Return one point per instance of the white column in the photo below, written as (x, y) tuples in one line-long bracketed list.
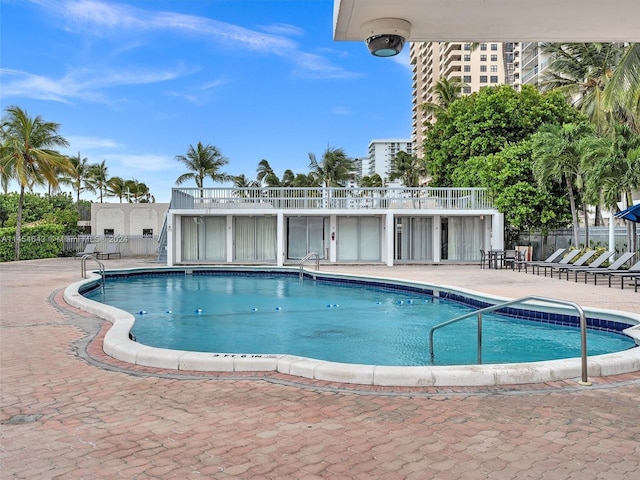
[(497, 231), (389, 226), (229, 224), (333, 251), (170, 236), (612, 233), (437, 239), (280, 233)]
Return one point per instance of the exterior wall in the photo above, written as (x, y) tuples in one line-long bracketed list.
[(344, 233), (127, 218)]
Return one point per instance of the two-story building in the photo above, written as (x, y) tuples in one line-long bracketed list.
[(280, 226)]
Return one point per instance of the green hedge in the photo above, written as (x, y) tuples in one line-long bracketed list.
[(41, 241)]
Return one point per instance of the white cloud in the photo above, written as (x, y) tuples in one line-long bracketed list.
[(341, 111), (80, 143), (84, 84), (144, 162), (102, 18), (283, 29)]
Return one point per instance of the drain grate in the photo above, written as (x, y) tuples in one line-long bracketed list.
[(22, 419)]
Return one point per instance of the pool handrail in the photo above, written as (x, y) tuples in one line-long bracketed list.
[(583, 328), (83, 267), (307, 257)]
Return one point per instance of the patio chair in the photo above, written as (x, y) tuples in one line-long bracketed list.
[(617, 265), (483, 258), (550, 259), (113, 248), (632, 273), (510, 258), (582, 260), (595, 264), (565, 260), (89, 249)]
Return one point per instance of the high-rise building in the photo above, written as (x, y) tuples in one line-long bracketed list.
[(475, 65), (382, 153), (529, 62)]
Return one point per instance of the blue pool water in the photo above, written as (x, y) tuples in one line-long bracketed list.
[(278, 314)]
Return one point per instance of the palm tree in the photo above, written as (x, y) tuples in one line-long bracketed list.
[(138, 192), (117, 187), (248, 187), (616, 175), (409, 169), (98, 173), (333, 169), (446, 91), (80, 178), (558, 153), (264, 170), (203, 161), (623, 91), (582, 72), (27, 155)]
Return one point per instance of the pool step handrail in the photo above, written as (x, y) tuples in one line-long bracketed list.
[(83, 267), (583, 327), (307, 257)]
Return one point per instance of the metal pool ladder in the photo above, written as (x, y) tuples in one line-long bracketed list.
[(307, 257), (583, 328), (83, 267)]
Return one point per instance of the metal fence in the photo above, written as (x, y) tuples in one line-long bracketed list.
[(543, 246), (130, 245)]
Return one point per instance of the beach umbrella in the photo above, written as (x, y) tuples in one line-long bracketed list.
[(632, 213)]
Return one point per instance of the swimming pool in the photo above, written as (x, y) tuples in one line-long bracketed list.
[(118, 345), (357, 323)]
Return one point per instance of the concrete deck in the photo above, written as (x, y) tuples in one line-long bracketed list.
[(69, 411)]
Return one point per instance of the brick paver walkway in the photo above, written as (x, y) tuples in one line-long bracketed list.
[(65, 414)]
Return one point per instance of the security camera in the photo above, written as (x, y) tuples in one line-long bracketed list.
[(385, 36)]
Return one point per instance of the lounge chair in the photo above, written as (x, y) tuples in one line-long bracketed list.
[(565, 261), (632, 273), (595, 264), (113, 248), (582, 260), (550, 259), (617, 265), (89, 249)]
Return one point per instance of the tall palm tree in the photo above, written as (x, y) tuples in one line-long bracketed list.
[(616, 175), (264, 171), (204, 161), (333, 169), (582, 72), (558, 153), (80, 177), (27, 155), (623, 91), (99, 175), (116, 187), (446, 92)]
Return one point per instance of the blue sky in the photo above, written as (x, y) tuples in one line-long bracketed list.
[(136, 82)]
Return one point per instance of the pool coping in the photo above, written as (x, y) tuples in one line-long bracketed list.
[(118, 345)]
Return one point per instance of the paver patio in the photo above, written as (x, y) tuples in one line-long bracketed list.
[(70, 412)]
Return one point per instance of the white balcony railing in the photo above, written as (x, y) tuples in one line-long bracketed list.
[(356, 198)]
